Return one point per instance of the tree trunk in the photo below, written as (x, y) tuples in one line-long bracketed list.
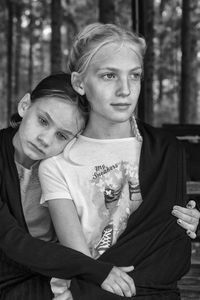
[(17, 52), (188, 99), (143, 19), (161, 57), (9, 58), (30, 68), (106, 11), (56, 22)]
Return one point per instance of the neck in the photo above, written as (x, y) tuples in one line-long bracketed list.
[(113, 131)]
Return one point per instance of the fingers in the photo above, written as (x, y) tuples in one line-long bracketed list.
[(190, 232), (129, 281), (117, 289), (188, 218), (186, 211), (119, 282), (107, 288), (188, 215), (64, 296), (127, 269)]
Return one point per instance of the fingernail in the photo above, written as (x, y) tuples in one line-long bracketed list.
[(179, 221), (188, 232), (189, 206)]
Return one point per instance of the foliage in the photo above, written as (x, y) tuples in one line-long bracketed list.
[(35, 28), (167, 78)]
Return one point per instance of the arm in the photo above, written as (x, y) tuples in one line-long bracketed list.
[(46, 258), (70, 234), (67, 226)]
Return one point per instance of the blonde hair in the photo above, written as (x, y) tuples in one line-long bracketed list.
[(96, 35)]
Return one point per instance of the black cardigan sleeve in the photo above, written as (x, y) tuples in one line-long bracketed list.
[(46, 258)]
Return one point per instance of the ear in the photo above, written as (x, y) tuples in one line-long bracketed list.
[(24, 104), (77, 83)]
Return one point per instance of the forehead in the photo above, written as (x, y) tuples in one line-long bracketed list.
[(64, 114), (117, 53)]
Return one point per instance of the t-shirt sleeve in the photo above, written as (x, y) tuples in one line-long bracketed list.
[(53, 180)]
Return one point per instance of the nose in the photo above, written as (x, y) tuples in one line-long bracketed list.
[(45, 139), (123, 88)]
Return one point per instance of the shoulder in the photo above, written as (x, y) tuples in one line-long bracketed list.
[(52, 166), (50, 162), (158, 136)]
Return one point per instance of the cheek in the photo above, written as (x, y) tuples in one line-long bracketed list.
[(135, 91), (93, 91), (28, 127)]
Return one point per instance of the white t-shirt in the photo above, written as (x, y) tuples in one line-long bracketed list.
[(101, 177)]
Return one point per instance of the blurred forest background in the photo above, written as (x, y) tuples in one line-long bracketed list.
[(36, 35)]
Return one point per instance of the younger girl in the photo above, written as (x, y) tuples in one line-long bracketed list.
[(48, 119), (116, 183)]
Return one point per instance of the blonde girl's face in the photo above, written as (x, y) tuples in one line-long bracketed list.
[(47, 126), (112, 83)]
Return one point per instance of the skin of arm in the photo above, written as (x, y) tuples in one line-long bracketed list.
[(67, 226), (69, 232)]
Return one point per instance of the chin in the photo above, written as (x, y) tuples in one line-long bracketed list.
[(35, 157), (121, 119)]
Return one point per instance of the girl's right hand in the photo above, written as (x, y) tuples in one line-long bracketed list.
[(67, 295), (119, 282)]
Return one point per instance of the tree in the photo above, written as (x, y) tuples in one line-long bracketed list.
[(56, 21), (9, 57), (18, 13), (106, 11), (31, 43), (143, 20), (188, 99)]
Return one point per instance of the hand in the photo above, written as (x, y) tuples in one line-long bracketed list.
[(67, 295), (119, 282), (188, 217)]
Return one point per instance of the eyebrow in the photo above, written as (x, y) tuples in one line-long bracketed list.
[(52, 121), (115, 69)]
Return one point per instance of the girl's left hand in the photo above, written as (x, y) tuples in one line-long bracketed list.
[(188, 217)]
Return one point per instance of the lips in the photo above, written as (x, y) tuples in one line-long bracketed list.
[(121, 104), (36, 148)]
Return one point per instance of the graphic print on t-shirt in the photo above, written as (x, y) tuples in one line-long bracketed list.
[(118, 184)]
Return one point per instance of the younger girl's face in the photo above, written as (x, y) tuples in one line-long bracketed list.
[(47, 126), (112, 82)]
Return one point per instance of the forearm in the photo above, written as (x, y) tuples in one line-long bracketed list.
[(46, 258)]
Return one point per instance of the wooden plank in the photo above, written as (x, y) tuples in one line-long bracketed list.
[(193, 187)]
